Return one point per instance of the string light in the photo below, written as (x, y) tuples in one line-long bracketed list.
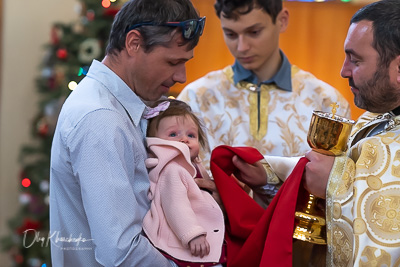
[(106, 3), (72, 85)]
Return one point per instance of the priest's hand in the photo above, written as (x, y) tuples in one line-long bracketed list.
[(316, 173), (253, 175)]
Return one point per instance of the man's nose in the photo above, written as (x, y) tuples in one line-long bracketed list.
[(180, 75), (242, 44)]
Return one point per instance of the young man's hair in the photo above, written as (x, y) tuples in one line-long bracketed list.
[(385, 18), (177, 108), (156, 11), (232, 9)]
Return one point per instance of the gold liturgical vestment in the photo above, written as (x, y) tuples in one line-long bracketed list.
[(363, 196)]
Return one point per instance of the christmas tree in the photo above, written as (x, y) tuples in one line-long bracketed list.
[(71, 49)]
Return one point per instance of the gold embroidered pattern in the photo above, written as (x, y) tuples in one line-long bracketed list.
[(383, 211), (374, 182), (396, 164), (347, 181), (258, 99), (384, 258), (372, 157), (341, 247)]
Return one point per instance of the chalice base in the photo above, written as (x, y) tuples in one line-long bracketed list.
[(310, 228)]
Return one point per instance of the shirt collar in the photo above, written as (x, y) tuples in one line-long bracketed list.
[(283, 78), (119, 89)]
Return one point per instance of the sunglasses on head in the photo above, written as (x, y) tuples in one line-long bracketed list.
[(190, 28)]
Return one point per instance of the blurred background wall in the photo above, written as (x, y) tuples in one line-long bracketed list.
[(313, 41), (25, 29)]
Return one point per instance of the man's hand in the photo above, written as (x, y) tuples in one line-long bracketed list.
[(210, 186), (199, 246), (316, 173), (253, 175)]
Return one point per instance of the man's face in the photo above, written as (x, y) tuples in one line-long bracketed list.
[(253, 39), (160, 69), (374, 86)]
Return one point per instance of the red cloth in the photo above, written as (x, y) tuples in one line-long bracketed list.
[(256, 237)]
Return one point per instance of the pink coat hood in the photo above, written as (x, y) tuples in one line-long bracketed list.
[(179, 210)]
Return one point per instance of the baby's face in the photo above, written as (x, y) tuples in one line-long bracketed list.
[(181, 129)]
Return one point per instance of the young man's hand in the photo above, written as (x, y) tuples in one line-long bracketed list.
[(199, 246), (253, 175)]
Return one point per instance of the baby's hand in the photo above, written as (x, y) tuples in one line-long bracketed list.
[(199, 246)]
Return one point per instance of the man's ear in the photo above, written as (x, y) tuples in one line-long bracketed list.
[(283, 19), (132, 42)]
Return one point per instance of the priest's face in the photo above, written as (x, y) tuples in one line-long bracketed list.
[(374, 86)]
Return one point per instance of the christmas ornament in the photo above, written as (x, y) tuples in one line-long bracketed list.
[(34, 262), (47, 72), (29, 224), (110, 12), (90, 15), (89, 50), (62, 53), (25, 198), (42, 127), (44, 186), (26, 182), (55, 35)]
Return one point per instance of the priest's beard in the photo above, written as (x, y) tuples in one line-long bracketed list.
[(377, 94)]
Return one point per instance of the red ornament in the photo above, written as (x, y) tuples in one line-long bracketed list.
[(51, 83), (54, 35), (18, 259), (28, 224), (110, 12), (62, 53), (26, 182), (43, 127), (90, 15)]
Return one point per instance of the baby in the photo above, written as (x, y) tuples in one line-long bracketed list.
[(184, 222)]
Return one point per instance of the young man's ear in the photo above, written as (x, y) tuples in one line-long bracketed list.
[(283, 19), (132, 42)]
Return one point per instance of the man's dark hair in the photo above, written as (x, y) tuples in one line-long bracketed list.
[(385, 17), (177, 108), (156, 11), (232, 9)]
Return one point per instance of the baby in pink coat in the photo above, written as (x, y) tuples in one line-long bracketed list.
[(184, 222)]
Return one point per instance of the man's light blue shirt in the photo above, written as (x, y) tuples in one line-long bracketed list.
[(99, 181)]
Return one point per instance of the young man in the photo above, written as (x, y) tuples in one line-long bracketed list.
[(363, 188), (99, 181), (261, 100)]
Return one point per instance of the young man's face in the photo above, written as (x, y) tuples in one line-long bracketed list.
[(375, 87), (253, 39), (160, 69)]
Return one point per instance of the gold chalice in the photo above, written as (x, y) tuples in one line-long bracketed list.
[(328, 135)]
